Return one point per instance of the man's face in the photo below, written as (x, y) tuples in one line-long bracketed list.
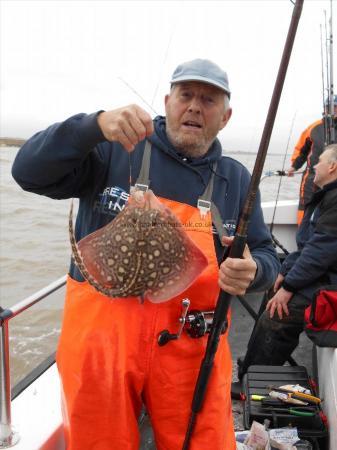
[(323, 169), (195, 113)]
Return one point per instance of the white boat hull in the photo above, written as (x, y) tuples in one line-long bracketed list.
[(284, 220), (36, 414), (327, 379)]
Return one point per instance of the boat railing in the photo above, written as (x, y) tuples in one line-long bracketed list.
[(8, 437)]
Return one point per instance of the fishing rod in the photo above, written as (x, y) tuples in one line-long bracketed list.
[(279, 173), (276, 242), (163, 64), (280, 181), (150, 105), (236, 250), (326, 55), (328, 111), (138, 94), (323, 87), (331, 86)]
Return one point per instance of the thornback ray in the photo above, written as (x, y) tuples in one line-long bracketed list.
[(144, 252)]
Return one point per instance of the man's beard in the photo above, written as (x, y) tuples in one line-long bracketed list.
[(188, 147)]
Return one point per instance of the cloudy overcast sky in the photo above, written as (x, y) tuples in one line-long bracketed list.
[(61, 57)]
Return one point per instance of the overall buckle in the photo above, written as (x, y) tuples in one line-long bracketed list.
[(139, 187), (204, 207)]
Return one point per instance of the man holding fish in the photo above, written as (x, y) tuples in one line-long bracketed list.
[(136, 270)]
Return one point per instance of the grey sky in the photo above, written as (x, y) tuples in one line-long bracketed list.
[(59, 58)]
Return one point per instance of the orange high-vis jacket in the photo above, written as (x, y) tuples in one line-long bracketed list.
[(307, 150), (309, 146)]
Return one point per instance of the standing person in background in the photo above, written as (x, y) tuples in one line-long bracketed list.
[(108, 357), (307, 150)]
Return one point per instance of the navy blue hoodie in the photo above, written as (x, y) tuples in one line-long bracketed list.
[(315, 263), (73, 159)]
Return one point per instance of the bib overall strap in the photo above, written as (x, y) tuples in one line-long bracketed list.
[(143, 180), (205, 205), (216, 219)]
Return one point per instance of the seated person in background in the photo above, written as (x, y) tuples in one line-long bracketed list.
[(314, 264)]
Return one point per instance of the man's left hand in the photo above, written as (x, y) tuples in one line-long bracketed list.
[(235, 274)]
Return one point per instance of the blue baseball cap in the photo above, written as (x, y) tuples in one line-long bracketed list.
[(202, 70)]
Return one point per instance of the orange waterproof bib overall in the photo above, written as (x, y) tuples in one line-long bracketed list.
[(110, 363)]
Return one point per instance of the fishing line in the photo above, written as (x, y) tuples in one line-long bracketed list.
[(279, 184), (130, 171), (146, 103), (150, 106)]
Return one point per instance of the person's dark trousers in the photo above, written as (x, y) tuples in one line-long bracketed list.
[(274, 340)]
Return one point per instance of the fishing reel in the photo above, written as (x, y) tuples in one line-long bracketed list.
[(196, 323)]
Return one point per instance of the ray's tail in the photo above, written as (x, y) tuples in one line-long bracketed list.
[(80, 263)]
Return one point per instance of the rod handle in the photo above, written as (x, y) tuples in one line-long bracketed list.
[(238, 246)]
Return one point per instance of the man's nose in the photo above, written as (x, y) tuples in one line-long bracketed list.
[(194, 105)]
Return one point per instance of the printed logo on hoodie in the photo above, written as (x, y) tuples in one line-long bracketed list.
[(111, 201), (229, 226)]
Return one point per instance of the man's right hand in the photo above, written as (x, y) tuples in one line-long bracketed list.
[(128, 125)]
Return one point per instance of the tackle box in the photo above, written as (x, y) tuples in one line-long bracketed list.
[(256, 382)]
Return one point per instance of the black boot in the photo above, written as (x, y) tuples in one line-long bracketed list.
[(241, 368), (236, 391), (236, 388)]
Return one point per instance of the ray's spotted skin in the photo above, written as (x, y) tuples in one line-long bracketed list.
[(144, 252)]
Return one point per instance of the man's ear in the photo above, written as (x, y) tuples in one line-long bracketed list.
[(167, 96), (227, 115), (333, 167)]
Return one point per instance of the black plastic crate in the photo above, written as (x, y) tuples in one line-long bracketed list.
[(257, 380)]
